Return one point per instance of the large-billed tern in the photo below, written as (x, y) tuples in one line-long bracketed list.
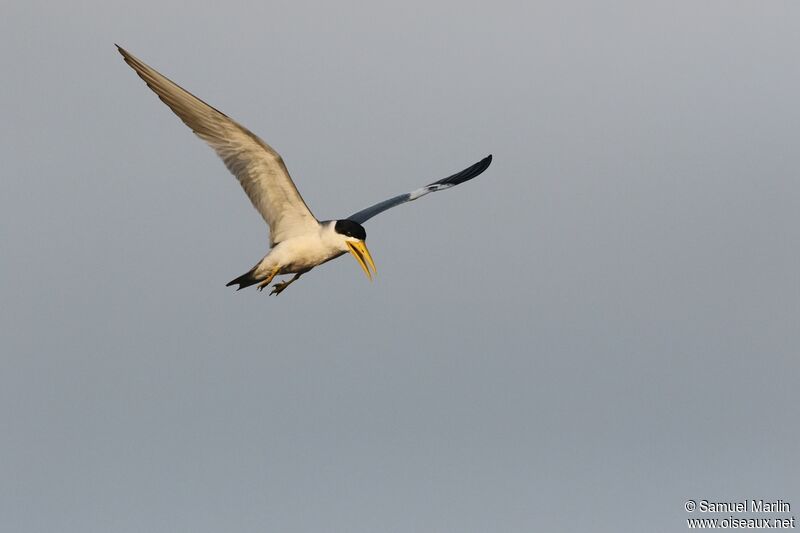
[(298, 241)]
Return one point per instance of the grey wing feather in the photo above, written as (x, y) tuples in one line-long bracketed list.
[(258, 167), (450, 181)]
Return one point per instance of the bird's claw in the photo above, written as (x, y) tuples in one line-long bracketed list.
[(278, 288)]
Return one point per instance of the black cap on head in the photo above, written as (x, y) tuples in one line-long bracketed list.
[(351, 229)]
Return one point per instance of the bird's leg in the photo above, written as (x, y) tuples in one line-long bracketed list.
[(268, 279), (279, 287)]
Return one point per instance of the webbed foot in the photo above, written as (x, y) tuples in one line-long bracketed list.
[(268, 279), (278, 287)]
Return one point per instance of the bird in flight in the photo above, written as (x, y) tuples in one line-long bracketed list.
[(298, 241)]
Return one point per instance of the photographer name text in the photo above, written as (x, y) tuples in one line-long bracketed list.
[(744, 506)]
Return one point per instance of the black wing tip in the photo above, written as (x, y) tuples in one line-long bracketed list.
[(484, 163), (468, 173)]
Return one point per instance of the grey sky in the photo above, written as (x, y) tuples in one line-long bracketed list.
[(601, 326)]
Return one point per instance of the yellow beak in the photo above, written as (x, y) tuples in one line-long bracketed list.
[(360, 252)]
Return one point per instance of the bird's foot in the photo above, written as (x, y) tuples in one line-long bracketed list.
[(267, 281), (278, 287)]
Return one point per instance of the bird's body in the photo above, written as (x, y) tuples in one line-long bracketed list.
[(299, 242), (304, 252), (296, 255), (300, 254)]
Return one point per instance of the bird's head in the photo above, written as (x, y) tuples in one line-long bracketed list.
[(354, 236)]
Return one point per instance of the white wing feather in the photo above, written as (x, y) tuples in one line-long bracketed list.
[(258, 167)]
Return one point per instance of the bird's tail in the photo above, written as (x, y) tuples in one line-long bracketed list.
[(246, 279)]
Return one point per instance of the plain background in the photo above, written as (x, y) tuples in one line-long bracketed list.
[(600, 327)]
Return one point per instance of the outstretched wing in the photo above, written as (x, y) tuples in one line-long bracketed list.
[(258, 167), (450, 181)]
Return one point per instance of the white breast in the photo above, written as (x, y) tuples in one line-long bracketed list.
[(307, 251)]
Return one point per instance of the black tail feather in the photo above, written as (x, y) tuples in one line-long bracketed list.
[(245, 280)]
